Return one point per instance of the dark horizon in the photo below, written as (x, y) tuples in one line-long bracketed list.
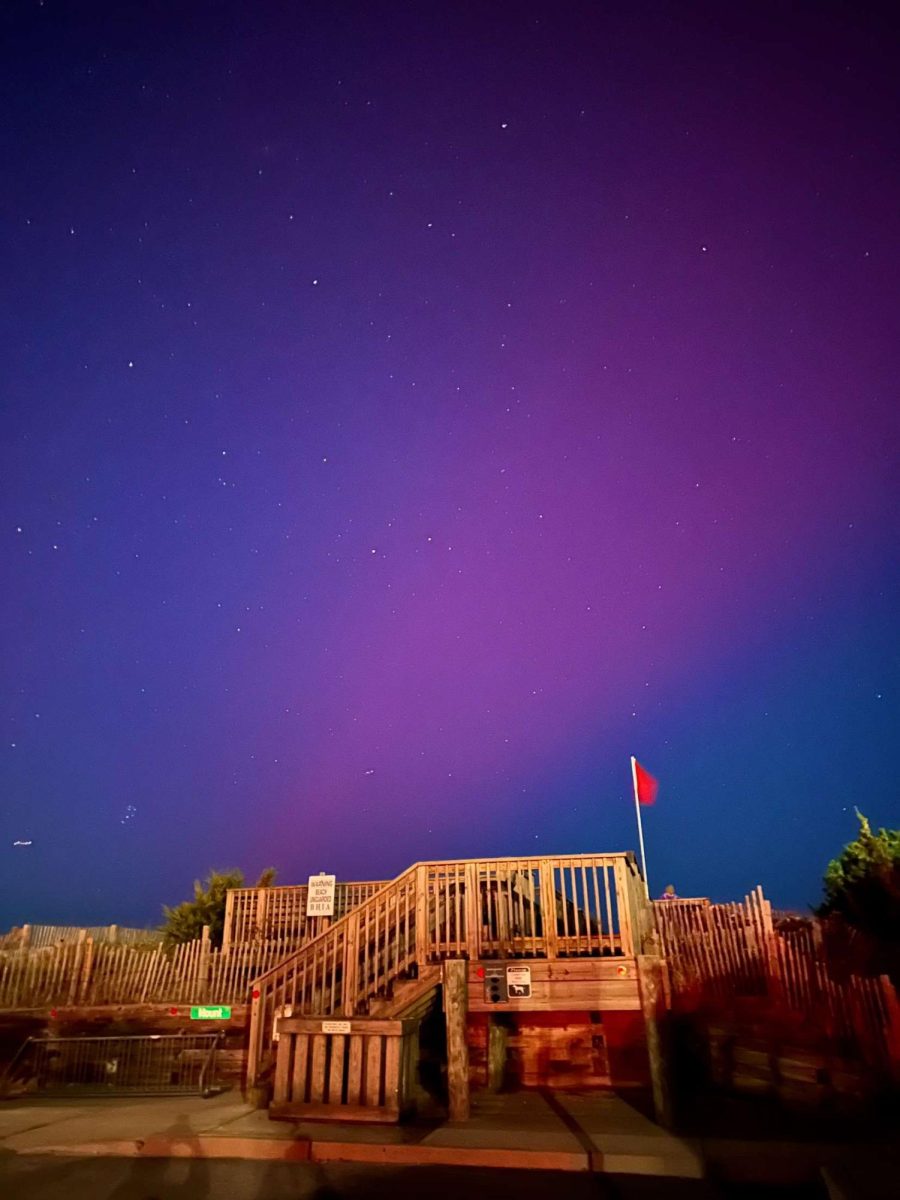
[(409, 415)]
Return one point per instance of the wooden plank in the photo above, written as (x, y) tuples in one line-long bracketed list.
[(355, 1070), (300, 1070), (317, 1068), (350, 981), (282, 1087), (392, 1077), (374, 1071), (336, 1069), (361, 1113), (390, 1026), (548, 908)]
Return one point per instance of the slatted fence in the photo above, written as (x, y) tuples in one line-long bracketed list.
[(361, 1070), (275, 917), (718, 954), (35, 937)]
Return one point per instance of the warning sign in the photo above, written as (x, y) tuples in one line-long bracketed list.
[(320, 896), (518, 981)]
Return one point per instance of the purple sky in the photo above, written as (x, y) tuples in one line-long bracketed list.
[(410, 413)]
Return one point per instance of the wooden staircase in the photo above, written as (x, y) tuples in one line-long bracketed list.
[(333, 1024)]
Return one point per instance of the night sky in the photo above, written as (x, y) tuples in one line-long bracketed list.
[(411, 411)]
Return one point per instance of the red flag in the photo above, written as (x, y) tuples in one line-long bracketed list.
[(645, 786)]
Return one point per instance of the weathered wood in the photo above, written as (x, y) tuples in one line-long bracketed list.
[(473, 911), (336, 1070), (455, 1012), (326, 1112), (585, 985), (299, 1085), (317, 1080), (548, 908), (651, 988), (283, 1064), (355, 1071), (496, 1055), (374, 1077)]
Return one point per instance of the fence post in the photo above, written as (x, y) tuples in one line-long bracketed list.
[(24, 936), (112, 934), (86, 968), (75, 980), (201, 983)]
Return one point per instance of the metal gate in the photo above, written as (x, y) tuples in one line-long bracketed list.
[(136, 1065)]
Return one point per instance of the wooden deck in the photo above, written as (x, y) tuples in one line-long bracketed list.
[(590, 907)]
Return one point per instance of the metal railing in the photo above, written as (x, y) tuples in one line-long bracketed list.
[(136, 1065)]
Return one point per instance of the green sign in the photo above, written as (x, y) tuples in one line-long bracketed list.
[(210, 1012)]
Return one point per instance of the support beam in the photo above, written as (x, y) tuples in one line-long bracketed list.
[(496, 1054), (650, 978), (456, 1003)]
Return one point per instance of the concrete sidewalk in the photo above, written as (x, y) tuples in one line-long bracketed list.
[(568, 1131)]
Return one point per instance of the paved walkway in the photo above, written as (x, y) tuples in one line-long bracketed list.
[(567, 1131)]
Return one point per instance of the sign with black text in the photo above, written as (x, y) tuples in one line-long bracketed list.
[(320, 896)]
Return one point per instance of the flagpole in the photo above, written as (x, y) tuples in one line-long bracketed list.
[(637, 811)]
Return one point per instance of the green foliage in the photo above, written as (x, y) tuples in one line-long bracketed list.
[(185, 921), (862, 885)]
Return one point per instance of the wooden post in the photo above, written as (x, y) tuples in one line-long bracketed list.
[(650, 981), (456, 1003), (262, 912), (201, 983), (75, 980), (86, 966), (112, 934), (473, 911), (421, 930), (496, 1054), (548, 909), (24, 936), (350, 976)]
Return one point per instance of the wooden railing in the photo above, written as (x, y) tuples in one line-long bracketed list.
[(362, 1070), (577, 906), (277, 915)]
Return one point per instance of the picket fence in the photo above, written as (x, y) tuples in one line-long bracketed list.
[(35, 937), (88, 973), (719, 954)]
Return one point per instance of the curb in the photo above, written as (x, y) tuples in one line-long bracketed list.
[(782, 1164), (380, 1154)]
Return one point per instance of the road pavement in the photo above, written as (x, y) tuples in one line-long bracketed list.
[(54, 1177)]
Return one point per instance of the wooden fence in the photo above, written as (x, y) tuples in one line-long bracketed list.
[(349, 1071), (56, 965), (719, 954), (86, 972), (277, 915), (35, 937)]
